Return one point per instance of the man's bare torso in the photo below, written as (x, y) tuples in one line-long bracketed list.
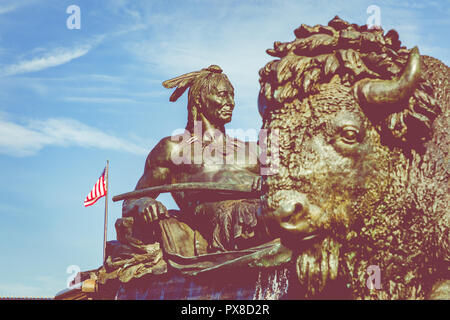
[(189, 160)]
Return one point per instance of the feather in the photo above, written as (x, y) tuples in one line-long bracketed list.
[(180, 80), (186, 80), (177, 93)]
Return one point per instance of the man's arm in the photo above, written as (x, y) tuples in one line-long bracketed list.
[(156, 172)]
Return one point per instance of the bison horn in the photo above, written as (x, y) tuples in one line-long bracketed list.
[(377, 91)]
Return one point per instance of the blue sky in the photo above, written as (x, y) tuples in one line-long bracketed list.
[(71, 99)]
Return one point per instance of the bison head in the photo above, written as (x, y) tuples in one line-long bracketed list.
[(352, 111)]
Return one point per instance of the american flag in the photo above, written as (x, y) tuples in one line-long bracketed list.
[(98, 191)]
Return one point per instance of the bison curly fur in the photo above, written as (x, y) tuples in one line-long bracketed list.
[(405, 231)]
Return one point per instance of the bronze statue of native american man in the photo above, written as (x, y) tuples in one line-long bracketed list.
[(360, 193), (216, 229), (207, 222)]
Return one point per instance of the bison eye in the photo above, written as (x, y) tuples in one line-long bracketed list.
[(349, 135)]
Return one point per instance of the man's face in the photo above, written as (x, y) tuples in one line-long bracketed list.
[(219, 103)]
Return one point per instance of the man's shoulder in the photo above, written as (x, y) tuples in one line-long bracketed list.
[(164, 148), (166, 141), (161, 147), (174, 140)]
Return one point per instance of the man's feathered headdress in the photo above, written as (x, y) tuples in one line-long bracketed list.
[(186, 80)]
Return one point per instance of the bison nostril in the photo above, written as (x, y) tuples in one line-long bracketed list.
[(293, 211), (298, 207)]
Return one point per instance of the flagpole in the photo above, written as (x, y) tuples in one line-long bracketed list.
[(106, 212)]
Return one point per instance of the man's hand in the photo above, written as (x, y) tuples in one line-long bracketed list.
[(257, 183), (145, 209)]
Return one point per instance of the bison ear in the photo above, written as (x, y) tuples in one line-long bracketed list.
[(390, 92)]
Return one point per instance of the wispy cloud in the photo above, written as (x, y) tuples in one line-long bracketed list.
[(54, 58), (7, 8), (183, 40), (100, 100), (26, 140)]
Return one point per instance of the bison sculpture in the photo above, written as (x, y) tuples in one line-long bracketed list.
[(361, 193)]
